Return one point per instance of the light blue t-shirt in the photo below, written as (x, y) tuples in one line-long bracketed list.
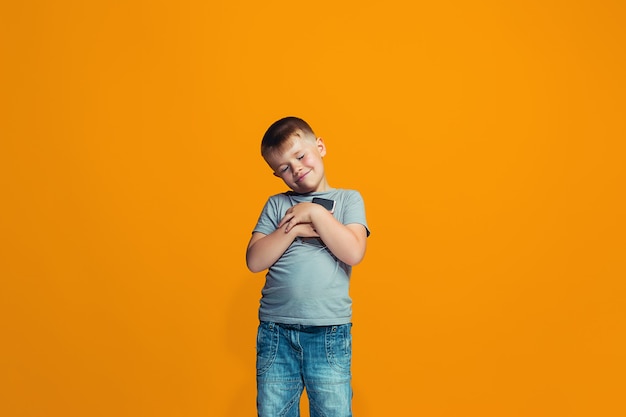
[(308, 285)]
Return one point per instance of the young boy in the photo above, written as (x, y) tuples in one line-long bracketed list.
[(308, 239)]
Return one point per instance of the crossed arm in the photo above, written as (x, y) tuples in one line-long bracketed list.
[(346, 242)]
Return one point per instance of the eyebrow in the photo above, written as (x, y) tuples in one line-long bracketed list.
[(298, 149)]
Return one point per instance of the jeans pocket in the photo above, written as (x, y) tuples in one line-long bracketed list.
[(339, 347), (266, 346)]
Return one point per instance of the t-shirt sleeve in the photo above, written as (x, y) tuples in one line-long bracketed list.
[(355, 210), (268, 219)]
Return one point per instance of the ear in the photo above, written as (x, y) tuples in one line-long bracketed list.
[(321, 146)]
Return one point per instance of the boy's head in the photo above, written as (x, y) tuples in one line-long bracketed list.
[(291, 149)]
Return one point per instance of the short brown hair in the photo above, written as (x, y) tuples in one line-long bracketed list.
[(281, 130)]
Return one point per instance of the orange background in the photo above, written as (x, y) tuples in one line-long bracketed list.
[(487, 139)]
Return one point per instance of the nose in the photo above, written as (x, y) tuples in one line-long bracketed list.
[(296, 168)]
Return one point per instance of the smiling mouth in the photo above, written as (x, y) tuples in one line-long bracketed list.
[(300, 178)]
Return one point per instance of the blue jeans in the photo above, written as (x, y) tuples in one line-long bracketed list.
[(291, 357)]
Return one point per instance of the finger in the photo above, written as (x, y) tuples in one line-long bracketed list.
[(285, 219)]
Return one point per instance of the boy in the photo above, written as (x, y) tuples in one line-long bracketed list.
[(304, 338)]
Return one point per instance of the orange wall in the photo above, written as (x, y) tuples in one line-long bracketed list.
[(487, 139)]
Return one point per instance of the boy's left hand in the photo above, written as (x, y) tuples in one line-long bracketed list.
[(300, 213)]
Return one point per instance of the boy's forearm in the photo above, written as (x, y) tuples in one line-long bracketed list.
[(345, 242), (265, 251)]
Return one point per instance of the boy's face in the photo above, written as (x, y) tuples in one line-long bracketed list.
[(299, 164)]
